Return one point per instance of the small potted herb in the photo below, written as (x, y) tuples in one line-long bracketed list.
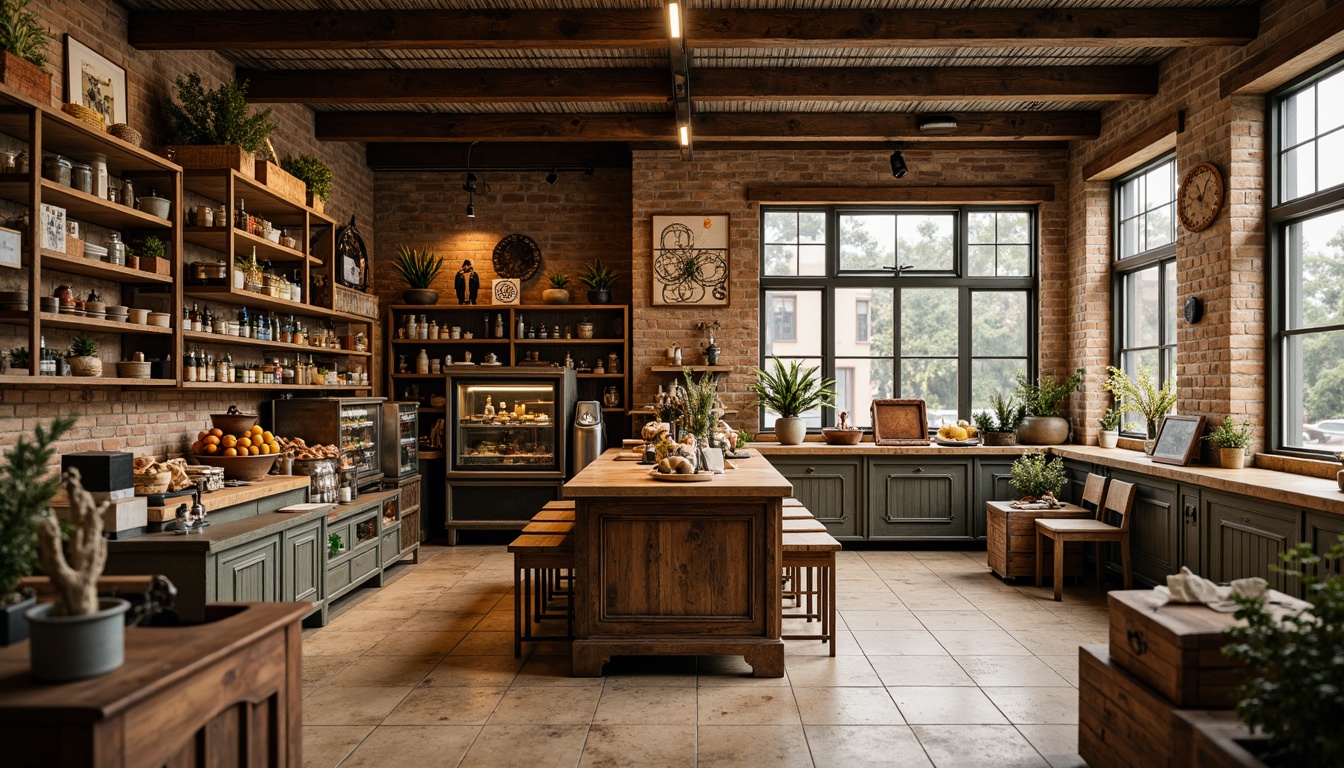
[(598, 278), (998, 425), (215, 128), (788, 392), (1231, 439), (83, 358), (23, 43), (1110, 429), (1038, 477), (556, 294), (18, 362), (153, 253), (418, 269), (315, 175)]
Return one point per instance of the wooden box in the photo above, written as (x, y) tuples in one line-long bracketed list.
[(25, 77), (1177, 649), (354, 302), (281, 182), (1012, 540), (213, 157), (900, 422), (1123, 723)]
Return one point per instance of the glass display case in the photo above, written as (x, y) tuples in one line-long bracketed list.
[(401, 440), (512, 420), (351, 424)]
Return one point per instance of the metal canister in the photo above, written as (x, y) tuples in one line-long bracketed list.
[(127, 193), (81, 177), (56, 168)]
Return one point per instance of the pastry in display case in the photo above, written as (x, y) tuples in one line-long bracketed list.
[(514, 421), (353, 424)]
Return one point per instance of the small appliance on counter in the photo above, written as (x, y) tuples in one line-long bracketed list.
[(588, 442), (107, 476)]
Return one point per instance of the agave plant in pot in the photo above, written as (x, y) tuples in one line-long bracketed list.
[(1144, 397), (418, 269), (556, 294), (26, 490), (998, 425), (1231, 439), (83, 358), (1109, 423), (788, 391), (1044, 399), (598, 278)]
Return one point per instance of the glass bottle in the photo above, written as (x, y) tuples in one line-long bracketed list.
[(422, 362), (210, 373), (244, 324), (191, 365), (241, 222), (522, 329), (499, 326)]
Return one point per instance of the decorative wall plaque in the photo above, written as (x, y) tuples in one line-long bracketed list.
[(690, 261)]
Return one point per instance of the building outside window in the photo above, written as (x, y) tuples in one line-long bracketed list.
[(938, 304), (1307, 294), (783, 313)]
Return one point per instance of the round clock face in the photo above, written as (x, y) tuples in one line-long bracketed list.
[(1200, 197)]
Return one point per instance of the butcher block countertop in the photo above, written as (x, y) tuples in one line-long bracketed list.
[(608, 478)]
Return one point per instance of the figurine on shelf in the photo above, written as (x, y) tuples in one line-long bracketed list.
[(489, 407), (712, 350), (467, 283)]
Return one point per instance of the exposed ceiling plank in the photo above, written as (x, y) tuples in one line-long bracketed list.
[(723, 126), (406, 156), (1301, 50), (1025, 195), (707, 28), (648, 85), (1147, 144), (884, 145)]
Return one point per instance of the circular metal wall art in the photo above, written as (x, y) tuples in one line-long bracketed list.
[(516, 256)]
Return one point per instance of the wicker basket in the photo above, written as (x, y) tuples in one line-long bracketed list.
[(25, 77), (133, 370), (126, 133), (281, 182), (84, 114), (213, 157), (355, 303)]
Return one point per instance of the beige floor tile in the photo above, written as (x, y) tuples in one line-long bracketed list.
[(747, 705), (958, 620), (417, 644), (845, 645), (899, 643), (527, 746), (824, 670), (736, 746), (872, 601), (920, 671), (952, 746), (987, 642), (443, 621), (413, 746), (325, 746), (351, 706), (847, 706), (1009, 671), (1057, 743), (935, 600), (946, 706), (734, 670), (463, 600), (552, 672), (888, 620), (1031, 618), (496, 621), (478, 643), (651, 705), (1036, 706), (318, 670), (385, 671), (474, 672), (639, 746), (446, 706), (848, 746), (546, 706), (1066, 666), (351, 643), (1055, 642), (369, 620)]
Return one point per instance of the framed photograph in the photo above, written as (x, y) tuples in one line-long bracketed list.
[(95, 82), (53, 228), (1178, 440), (11, 248), (690, 261)]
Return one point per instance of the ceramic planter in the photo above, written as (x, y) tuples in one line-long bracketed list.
[(423, 296), (555, 296), (85, 365), (75, 647), (790, 431), (1043, 430), (999, 438), (599, 297), (1109, 438), (13, 625), (1231, 458)]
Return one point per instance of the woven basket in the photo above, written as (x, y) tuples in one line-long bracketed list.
[(281, 182), (126, 133), (213, 157), (85, 366), (25, 77), (133, 370), (355, 303), (85, 115)]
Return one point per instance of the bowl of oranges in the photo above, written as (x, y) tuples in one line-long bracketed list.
[(247, 455)]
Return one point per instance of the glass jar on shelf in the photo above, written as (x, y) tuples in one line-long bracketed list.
[(611, 398)]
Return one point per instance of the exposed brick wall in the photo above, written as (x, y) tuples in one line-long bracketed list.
[(154, 421)]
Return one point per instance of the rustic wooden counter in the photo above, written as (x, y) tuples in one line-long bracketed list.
[(667, 568)]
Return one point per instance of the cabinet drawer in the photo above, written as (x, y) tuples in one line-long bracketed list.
[(364, 564), (918, 499), (338, 577), (830, 491), (391, 546)]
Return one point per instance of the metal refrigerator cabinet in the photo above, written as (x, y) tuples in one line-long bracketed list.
[(353, 424), (507, 444)]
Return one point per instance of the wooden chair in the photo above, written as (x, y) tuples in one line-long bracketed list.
[(1094, 490), (810, 557), (1120, 500)]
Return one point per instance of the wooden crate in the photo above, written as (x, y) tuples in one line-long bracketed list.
[(1012, 540), (1219, 740), (899, 421), (25, 77), (354, 302), (281, 182), (1123, 723), (1177, 649), (213, 157)]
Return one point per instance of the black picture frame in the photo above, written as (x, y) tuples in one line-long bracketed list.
[(1178, 440)]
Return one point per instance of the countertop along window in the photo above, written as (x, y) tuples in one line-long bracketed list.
[(935, 303)]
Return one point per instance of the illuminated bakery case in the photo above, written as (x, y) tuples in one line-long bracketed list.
[(507, 443)]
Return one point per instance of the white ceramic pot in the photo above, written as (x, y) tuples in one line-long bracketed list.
[(1109, 438), (74, 647), (1231, 458), (790, 431)]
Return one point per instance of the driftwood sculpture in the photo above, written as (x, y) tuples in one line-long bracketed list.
[(74, 566)]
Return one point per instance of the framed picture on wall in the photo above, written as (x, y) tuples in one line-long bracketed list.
[(94, 82), (690, 261)]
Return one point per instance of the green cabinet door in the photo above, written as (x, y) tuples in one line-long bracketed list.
[(1191, 542), (917, 499), (1245, 536), (829, 488), (305, 561), (249, 573), (993, 482), (1154, 530), (1323, 532)]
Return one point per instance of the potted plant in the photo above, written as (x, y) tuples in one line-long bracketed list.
[(1110, 429), (26, 490), (598, 278), (77, 635), (23, 51), (1231, 439), (1044, 403), (556, 294), (789, 391), (315, 175), (418, 269), (1144, 397), (153, 253), (1291, 694), (998, 425), (18, 362), (1037, 476), (213, 128), (83, 358)]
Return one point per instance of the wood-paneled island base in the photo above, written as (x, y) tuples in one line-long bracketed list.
[(677, 568)]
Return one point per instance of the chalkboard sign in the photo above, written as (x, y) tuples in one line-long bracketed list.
[(1178, 440)]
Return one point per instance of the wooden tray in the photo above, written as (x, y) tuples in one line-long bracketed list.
[(698, 477), (901, 421)]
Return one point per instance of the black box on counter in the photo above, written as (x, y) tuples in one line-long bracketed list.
[(102, 472)]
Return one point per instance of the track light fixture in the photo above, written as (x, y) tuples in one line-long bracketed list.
[(469, 186), (898, 166), (471, 209), (552, 177)]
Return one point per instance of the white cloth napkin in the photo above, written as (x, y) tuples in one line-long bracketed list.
[(1189, 587)]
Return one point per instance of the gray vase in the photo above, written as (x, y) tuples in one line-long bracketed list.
[(1043, 430), (74, 647)]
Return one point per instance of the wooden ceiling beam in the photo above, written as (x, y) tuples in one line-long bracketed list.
[(406, 156), (712, 126), (705, 28), (1301, 50), (926, 195), (632, 85)]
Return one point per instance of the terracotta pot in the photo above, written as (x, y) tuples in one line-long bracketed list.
[(420, 296), (790, 431), (1232, 458), (999, 438), (1043, 430), (555, 296), (85, 365), (1108, 438)]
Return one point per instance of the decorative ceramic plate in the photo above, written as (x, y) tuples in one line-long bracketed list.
[(516, 256), (698, 477), (955, 443)]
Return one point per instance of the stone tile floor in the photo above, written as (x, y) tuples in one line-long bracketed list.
[(939, 663)]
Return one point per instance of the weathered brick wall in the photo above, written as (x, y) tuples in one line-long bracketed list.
[(153, 421)]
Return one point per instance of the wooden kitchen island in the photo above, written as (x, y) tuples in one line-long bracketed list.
[(679, 569)]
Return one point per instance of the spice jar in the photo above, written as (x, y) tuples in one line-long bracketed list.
[(81, 177), (56, 168)]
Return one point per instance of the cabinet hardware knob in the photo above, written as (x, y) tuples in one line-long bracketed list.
[(810, 470), (918, 470), (1137, 643)]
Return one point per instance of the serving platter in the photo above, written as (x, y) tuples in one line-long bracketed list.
[(955, 443), (698, 477)]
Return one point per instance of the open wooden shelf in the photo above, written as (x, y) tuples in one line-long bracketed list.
[(217, 239), (78, 265), (78, 205), (202, 337), (76, 323), (85, 381), (306, 387)]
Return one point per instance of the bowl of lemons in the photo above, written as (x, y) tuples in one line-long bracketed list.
[(961, 433)]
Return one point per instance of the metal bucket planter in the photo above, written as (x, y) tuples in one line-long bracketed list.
[(75, 647)]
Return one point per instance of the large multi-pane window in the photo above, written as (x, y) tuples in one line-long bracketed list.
[(1145, 271), (902, 302), (1307, 213)]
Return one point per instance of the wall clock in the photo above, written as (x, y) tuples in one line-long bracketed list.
[(516, 256), (1200, 197)]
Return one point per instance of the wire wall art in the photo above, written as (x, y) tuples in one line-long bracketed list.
[(690, 261)]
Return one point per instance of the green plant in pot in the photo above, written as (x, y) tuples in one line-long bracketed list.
[(1044, 401), (598, 278), (24, 41), (788, 391), (1143, 397), (150, 251), (18, 361), (315, 175), (1231, 439), (83, 358), (418, 269), (217, 117), (998, 425), (1292, 693), (1036, 476), (556, 294), (26, 490), (1109, 423)]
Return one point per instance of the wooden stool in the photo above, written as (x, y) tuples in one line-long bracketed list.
[(540, 563), (813, 555), (555, 512)]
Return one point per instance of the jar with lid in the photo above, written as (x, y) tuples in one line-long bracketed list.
[(585, 329), (116, 250), (56, 168), (81, 177), (21, 162), (611, 398)]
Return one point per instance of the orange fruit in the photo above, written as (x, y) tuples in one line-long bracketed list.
[(254, 450), (211, 440), (244, 442), (268, 437), (217, 432), (228, 441), (197, 446), (257, 430), (201, 436), (230, 451), (211, 449)]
